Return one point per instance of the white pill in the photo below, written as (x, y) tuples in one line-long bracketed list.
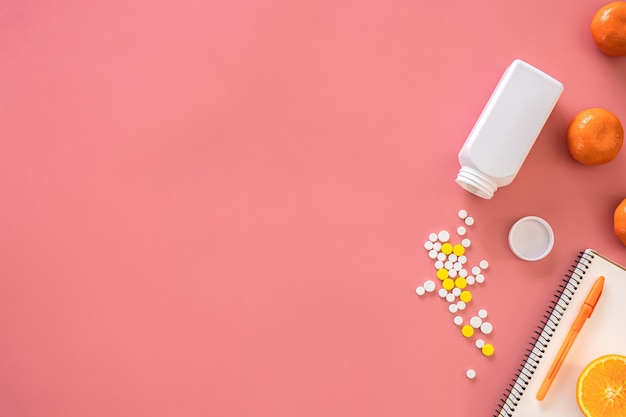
[(476, 270), (444, 236), (448, 265), (463, 273), (441, 256), (429, 286), (480, 278), (450, 298), (461, 231), (428, 245), (486, 328), (462, 214), (432, 254), (479, 343), (452, 273), (452, 308), (458, 320), (483, 264), (458, 266), (470, 374), (438, 265), (469, 220), (443, 292), (470, 280), (461, 305), (456, 291), (466, 243), (432, 237), (452, 257), (420, 291), (475, 322), (462, 259), (437, 246), (482, 313)]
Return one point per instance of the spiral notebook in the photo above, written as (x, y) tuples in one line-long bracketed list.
[(604, 333)]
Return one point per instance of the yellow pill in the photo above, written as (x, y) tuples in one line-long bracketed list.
[(458, 250), (460, 282), (487, 349), (465, 296), (442, 274), (468, 331), (448, 284), (447, 248)]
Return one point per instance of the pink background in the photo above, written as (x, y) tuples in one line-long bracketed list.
[(217, 208)]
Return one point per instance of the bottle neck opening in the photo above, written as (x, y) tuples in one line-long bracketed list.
[(476, 182)]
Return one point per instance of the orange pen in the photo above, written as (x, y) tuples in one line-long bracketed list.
[(585, 312)]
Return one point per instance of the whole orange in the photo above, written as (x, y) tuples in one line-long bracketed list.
[(608, 28), (595, 136), (619, 222)]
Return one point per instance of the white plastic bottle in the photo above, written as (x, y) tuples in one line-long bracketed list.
[(507, 129)]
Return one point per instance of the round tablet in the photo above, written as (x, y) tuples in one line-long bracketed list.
[(469, 220), (443, 236), (429, 286), (428, 245), (486, 328), (467, 331), (420, 291), (463, 273), (462, 214), (479, 343), (475, 322), (470, 280), (466, 243), (458, 266), (461, 231), (462, 259), (447, 248), (452, 257), (488, 349), (442, 274), (482, 313), (456, 292), (470, 374), (483, 264), (458, 320), (448, 265), (438, 264), (448, 283), (453, 308), (432, 237), (450, 297), (432, 254), (442, 293), (465, 296), (480, 278), (461, 305), (460, 282), (441, 256), (458, 249), (437, 246), (452, 273), (476, 270)]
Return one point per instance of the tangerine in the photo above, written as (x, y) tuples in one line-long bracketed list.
[(619, 222), (595, 136), (608, 28), (601, 387)]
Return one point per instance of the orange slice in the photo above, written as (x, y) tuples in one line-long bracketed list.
[(601, 387)]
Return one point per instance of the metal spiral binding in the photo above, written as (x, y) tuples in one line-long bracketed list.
[(543, 334)]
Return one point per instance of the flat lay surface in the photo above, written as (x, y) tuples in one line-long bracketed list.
[(221, 208)]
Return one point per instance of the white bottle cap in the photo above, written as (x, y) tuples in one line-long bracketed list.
[(531, 238), (476, 182)]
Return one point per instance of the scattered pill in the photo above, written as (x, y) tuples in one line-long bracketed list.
[(488, 349), (448, 284), (469, 220), (480, 278), (461, 305), (443, 236), (463, 273), (452, 257), (479, 343), (465, 296), (462, 259), (428, 245), (458, 320), (482, 313), (458, 266), (442, 292), (456, 292), (476, 270), (453, 308), (461, 231), (432, 254), (437, 246), (452, 273), (441, 256), (462, 214), (442, 274), (486, 328), (460, 282), (448, 265), (466, 243), (470, 374), (470, 280), (420, 290), (483, 264), (475, 322), (429, 286), (450, 297), (467, 331), (432, 237), (438, 264), (458, 249), (447, 248)]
